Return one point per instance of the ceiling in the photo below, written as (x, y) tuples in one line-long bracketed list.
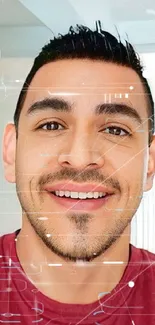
[(15, 13), (25, 25)]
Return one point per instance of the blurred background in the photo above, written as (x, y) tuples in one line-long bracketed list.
[(25, 26)]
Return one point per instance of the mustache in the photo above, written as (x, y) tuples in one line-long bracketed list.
[(79, 177)]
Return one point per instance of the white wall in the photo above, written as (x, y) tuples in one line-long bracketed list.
[(143, 224), (12, 75), (11, 69)]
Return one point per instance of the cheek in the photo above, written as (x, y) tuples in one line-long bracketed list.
[(32, 157), (128, 167), (128, 164)]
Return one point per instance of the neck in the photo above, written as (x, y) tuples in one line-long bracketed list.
[(69, 282)]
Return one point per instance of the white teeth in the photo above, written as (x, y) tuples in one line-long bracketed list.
[(61, 193), (90, 195), (67, 193), (96, 195), (80, 195), (74, 195)]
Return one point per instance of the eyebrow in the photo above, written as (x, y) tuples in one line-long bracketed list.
[(61, 105)]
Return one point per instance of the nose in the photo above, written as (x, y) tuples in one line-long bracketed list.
[(81, 152)]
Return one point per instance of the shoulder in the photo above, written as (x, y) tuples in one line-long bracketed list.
[(6, 242), (143, 262), (141, 254)]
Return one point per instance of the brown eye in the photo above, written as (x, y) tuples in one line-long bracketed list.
[(115, 130), (51, 126)]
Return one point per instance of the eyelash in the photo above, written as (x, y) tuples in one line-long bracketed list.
[(119, 128), (109, 127), (49, 123)]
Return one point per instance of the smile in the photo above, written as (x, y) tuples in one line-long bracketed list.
[(82, 201), (80, 195)]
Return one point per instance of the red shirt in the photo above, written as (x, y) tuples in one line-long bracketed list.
[(21, 302)]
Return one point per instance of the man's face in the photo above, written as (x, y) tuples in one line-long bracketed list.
[(78, 151)]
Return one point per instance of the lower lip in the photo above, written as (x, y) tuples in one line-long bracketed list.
[(77, 204)]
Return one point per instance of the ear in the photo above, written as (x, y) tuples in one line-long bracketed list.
[(9, 152), (151, 167)]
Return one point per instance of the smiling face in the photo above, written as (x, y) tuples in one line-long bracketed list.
[(83, 128)]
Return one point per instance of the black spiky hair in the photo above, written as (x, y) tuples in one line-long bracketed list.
[(83, 43)]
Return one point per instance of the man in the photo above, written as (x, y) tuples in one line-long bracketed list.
[(81, 152)]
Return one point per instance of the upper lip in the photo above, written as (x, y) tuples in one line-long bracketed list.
[(78, 188)]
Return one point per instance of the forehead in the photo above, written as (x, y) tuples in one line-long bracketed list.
[(88, 79)]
